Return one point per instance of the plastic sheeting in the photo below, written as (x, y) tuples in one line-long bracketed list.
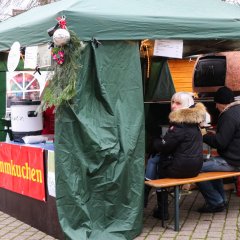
[(100, 145)]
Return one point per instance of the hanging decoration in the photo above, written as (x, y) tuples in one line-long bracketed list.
[(146, 51), (13, 56), (58, 55), (66, 49), (61, 37)]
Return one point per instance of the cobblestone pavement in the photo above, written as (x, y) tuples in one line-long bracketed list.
[(193, 225), (11, 228)]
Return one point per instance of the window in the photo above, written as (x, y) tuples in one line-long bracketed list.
[(25, 85)]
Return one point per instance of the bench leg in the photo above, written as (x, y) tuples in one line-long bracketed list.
[(176, 200), (162, 204), (162, 208)]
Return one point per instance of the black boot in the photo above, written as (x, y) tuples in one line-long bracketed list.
[(147, 190), (162, 201)]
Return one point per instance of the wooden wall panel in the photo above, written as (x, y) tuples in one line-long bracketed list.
[(182, 72)]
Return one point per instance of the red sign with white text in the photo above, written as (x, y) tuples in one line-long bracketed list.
[(22, 170)]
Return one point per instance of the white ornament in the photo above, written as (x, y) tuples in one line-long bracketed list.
[(13, 57), (61, 37)]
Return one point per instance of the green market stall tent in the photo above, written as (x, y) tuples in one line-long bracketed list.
[(99, 141)]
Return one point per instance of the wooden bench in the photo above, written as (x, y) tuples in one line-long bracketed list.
[(177, 182)]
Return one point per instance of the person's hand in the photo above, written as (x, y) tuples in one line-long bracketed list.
[(203, 131), (211, 131)]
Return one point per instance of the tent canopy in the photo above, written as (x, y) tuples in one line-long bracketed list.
[(132, 20)]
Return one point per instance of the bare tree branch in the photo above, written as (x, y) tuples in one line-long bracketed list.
[(6, 6)]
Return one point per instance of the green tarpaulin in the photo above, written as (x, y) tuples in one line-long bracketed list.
[(100, 147), (160, 85), (99, 142)]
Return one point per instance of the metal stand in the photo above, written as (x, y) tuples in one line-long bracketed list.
[(176, 200), (176, 207)]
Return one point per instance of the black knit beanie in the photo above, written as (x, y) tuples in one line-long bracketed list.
[(224, 95)]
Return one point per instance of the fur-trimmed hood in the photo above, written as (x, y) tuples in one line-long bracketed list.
[(192, 115)]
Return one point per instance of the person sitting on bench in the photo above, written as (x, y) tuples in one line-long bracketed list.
[(227, 142), (180, 151)]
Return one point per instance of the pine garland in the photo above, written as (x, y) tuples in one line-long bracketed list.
[(62, 86)]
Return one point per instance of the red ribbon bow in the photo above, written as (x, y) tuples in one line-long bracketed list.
[(62, 22)]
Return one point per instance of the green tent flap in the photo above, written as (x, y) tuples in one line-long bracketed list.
[(100, 145), (160, 85)]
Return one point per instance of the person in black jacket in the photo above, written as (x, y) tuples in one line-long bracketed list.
[(180, 151), (227, 142)]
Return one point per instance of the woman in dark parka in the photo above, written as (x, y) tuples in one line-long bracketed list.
[(180, 151)]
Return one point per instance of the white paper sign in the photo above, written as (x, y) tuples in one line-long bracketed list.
[(31, 56), (51, 174), (13, 57), (44, 56), (168, 48)]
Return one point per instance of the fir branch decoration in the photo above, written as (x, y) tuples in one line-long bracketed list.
[(62, 86)]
